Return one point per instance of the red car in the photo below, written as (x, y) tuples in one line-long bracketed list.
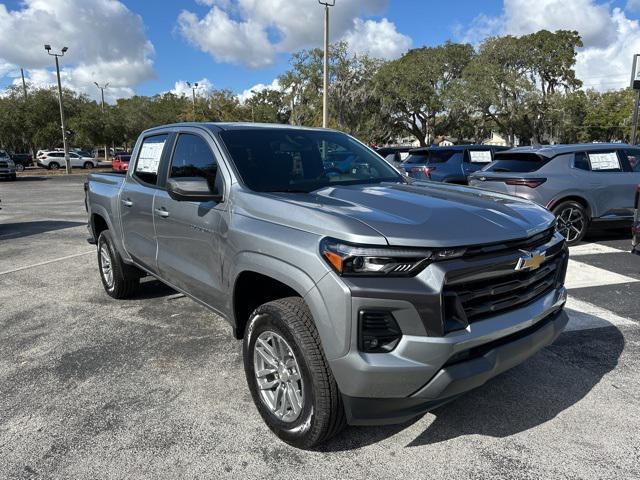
[(636, 226), (121, 162)]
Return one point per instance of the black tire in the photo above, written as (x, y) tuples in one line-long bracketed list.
[(53, 166), (19, 167), (88, 165), (573, 221), (125, 278), (322, 414)]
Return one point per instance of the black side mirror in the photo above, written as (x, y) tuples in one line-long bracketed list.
[(191, 189)]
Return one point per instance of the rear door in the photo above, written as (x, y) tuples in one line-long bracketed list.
[(190, 234), (136, 200), (611, 182)]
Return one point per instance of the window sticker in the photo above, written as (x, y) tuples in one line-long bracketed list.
[(604, 161), (149, 158), (480, 156)]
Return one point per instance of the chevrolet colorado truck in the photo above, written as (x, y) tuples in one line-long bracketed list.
[(362, 297)]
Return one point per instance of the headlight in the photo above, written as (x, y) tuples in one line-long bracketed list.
[(354, 260)]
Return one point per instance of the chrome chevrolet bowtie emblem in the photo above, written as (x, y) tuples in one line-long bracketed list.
[(531, 260)]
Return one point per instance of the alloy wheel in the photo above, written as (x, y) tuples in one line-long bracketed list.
[(105, 266), (571, 223), (278, 376)]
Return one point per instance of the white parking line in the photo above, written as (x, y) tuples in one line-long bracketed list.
[(581, 275), (47, 262), (592, 249), (584, 316)]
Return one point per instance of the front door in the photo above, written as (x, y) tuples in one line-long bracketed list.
[(189, 234), (136, 202)]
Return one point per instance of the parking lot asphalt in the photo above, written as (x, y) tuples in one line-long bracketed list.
[(153, 387)]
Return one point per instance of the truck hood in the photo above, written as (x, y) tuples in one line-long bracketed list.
[(427, 214)]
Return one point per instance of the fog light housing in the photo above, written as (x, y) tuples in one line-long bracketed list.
[(378, 331)]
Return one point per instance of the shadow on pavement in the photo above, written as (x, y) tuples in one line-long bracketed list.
[(598, 234), (518, 400), (152, 288), (25, 229)]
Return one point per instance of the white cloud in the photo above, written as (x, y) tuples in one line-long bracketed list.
[(182, 88), (253, 32), (106, 41), (378, 39), (610, 38), (259, 87)]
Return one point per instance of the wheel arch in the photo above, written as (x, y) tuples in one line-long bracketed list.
[(572, 198)]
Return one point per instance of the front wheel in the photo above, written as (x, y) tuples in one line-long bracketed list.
[(572, 221), (19, 167), (288, 376), (88, 165)]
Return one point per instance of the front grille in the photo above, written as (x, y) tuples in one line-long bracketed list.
[(466, 302), (523, 244), (4, 164)]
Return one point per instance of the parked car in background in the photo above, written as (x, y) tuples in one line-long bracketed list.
[(53, 160), (121, 162), (635, 229), (360, 298), (451, 164), (394, 155), (581, 184), (22, 160), (7, 167)]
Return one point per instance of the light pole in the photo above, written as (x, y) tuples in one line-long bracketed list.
[(635, 85), (325, 110), (64, 132), (194, 87), (106, 85)]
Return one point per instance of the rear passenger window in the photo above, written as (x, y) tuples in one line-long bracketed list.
[(604, 161), (149, 158), (580, 161), (192, 157)]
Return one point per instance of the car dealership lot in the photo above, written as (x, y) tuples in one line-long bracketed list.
[(92, 387)]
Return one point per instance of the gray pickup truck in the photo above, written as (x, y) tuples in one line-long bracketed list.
[(362, 297)]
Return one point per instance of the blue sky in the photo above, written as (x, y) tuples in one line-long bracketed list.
[(145, 47)]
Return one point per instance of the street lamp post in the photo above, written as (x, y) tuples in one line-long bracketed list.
[(325, 110), (194, 87), (635, 85), (64, 132), (106, 85)]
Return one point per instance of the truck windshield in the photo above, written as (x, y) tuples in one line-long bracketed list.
[(295, 160)]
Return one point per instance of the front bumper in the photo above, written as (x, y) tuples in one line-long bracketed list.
[(7, 173), (455, 378)]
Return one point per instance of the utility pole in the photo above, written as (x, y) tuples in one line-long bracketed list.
[(193, 86), (24, 84), (64, 132), (635, 84), (106, 85), (325, 101)]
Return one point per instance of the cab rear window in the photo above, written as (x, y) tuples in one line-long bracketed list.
[(517, 162)]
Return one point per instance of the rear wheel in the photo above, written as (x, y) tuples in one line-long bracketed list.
[(118, 279), (572, 221), (288, 376), (54, 166)]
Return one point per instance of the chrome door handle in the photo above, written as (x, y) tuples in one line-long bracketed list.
[(162, 212), (127, 203)]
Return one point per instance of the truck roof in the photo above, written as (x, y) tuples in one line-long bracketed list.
[(554, 150), (217, 126)]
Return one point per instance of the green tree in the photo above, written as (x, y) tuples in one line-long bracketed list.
[(414, 90)]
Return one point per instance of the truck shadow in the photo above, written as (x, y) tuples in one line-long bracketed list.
[(518, 400), (26, 229)]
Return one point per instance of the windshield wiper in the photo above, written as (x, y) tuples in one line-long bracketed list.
[(286, 190), (499, 169)]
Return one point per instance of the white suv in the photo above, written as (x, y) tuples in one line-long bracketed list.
[(53, 160)]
